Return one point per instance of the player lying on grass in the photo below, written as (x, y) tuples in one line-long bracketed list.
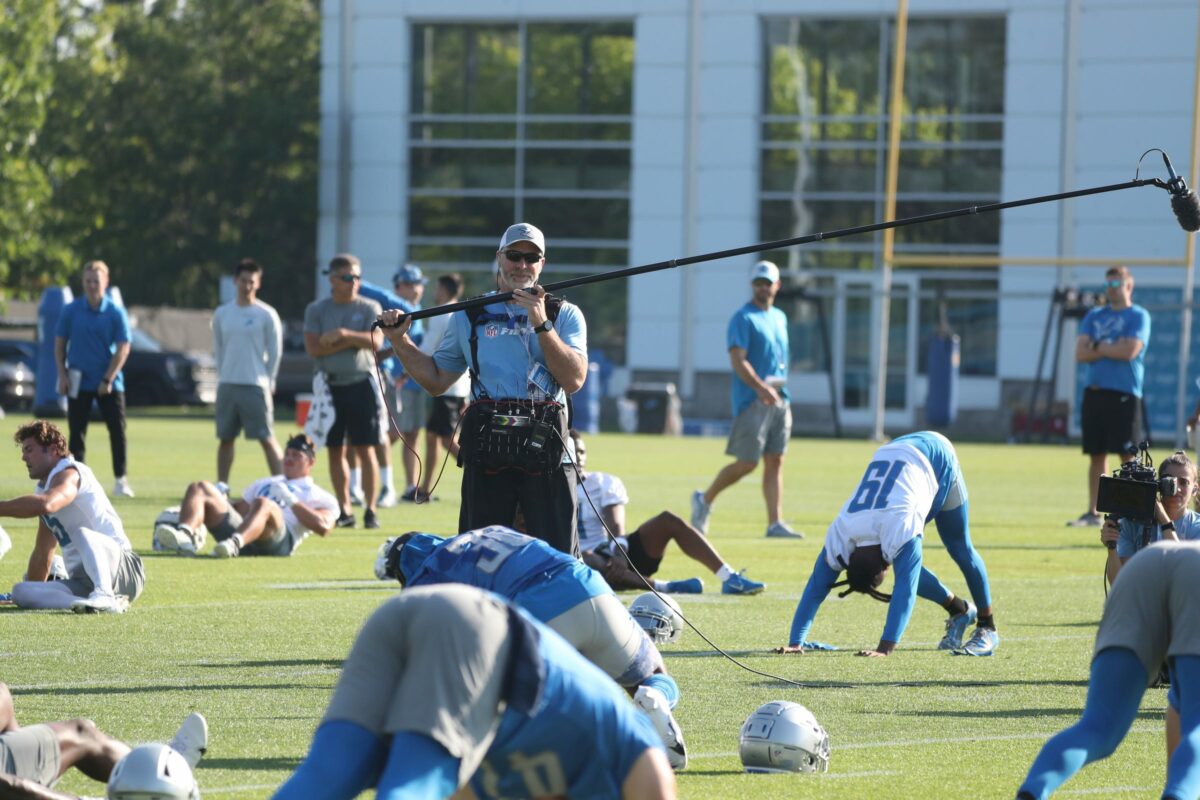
[(646, 545), (33, 758), (909, 481), (103, 572), (1151, 614), (272, 518), (555, 588), (448, 684)]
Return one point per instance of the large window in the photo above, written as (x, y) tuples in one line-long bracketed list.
[(824, 148), (526, 122)]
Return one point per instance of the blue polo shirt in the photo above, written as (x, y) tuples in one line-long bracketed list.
[(508, 347), (763, 334), (389, 300), (1106, 325), (92, 336)]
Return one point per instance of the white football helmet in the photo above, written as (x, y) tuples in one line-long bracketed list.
[(152, 772), (659, 616), (783, 737)]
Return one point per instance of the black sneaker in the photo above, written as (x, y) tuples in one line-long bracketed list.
[(370, 520), (410, 495), (345, 520)]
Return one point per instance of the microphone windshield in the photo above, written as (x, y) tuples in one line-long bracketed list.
[(1187, 210)]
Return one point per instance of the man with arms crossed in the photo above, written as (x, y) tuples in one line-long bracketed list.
[(103, 572), (247, 341), (758, 351)]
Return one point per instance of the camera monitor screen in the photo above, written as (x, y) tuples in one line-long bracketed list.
[(1127, 498)]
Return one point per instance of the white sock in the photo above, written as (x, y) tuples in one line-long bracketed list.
[(355, 481), (385, 478), (659, 586), (725, 572)]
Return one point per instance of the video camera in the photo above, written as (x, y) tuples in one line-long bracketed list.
[(1133, 490)]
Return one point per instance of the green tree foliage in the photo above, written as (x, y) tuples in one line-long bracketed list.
[(179, 137)]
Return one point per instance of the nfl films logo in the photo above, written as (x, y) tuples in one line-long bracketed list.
[(491, 331)]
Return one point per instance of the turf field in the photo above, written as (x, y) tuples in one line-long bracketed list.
[(256, 644)]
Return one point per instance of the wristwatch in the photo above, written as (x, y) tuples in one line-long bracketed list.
[(105, 381), (545, 327), (1168, 525)]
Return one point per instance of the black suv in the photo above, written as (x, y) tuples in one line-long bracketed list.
[(158, 377)]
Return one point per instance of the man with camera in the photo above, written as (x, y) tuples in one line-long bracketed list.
[(1112, 342), (1172, 519), (524, 356)]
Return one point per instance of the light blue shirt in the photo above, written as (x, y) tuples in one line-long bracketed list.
[(1106, 325), (508, 347), (92, 336), (388, 300), (763, 334), (1130, 541)]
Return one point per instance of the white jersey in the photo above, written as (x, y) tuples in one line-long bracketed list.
[(90, 509), (604, 490), (306, 492), (888, 508)]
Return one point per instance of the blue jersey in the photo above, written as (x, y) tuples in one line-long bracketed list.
[(388, 300), (542, 580), (941, 456), (1103, 324), (580, 741), (1132, 533), (508, 348), (92, 336), (763, 334)]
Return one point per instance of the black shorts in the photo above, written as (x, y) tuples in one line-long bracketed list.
[(444, 415), (643, 561), (1111, 421), (356, 415)]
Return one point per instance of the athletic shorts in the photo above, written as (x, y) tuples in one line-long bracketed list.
[(412, 409), (1112, 421), (228, 525), (279, 543), (429, 661), (31, 753), (243, 406), (1153, 606), (604, 633), (444, 415), (129, 578), (356, 415), (760, 429), (643, 561)]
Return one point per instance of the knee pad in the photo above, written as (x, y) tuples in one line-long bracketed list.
[(644, 664)]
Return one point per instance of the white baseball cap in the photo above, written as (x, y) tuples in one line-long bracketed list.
[(523, 232), (764, 270)]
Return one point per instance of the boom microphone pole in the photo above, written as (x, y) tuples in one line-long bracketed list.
[(1183, 202)]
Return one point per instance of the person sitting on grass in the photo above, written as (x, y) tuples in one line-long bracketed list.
[(34, 757), (605, 493), (273, 516)]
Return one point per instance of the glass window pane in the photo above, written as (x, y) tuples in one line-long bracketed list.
[(580, 69), (970, 229), (819, 170), (974, 319), (463, 168), (578, 131), (930, 170), (573, 218), (822, 67), (479, 131), (461, 69), (577, 169), (459, 216), (459, 254)]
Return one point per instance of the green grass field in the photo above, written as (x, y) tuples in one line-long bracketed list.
[(256, 644)]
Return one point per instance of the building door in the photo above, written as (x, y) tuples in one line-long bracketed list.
[(856, 323)]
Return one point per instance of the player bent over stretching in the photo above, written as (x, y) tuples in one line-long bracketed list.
[(272, 518), (103, 572), (449, 685), (555, 588), (910, 481)]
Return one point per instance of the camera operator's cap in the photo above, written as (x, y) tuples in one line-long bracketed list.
[(764, 270), (523, 232), (409, 273)]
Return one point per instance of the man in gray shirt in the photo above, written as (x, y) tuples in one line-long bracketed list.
[(338, 336)]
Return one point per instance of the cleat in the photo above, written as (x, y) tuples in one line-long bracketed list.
[(689, 586), (122, 488), (738, 583), (982, 643), (227, 548), (700, 511), (370, 521), (345, 520), (410, 495), (654, 704), (175, 539), (191, 740), (58, 569), (956, 628), (781, 530), (387, 499), (1086, 520), (101, 603)]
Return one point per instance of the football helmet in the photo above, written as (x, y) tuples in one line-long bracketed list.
[(400, 557), (152, 772), (783, 737), (659, 616)]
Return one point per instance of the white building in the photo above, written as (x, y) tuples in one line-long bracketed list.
[(634, 131)]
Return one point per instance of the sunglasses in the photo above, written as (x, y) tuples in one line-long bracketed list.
[(516, 256), (1115, 283), (349, 277)]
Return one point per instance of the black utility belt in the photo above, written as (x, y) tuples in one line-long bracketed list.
[(524, 435)]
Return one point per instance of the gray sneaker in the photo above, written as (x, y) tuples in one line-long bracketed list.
[(700, 511), (781, 530)]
